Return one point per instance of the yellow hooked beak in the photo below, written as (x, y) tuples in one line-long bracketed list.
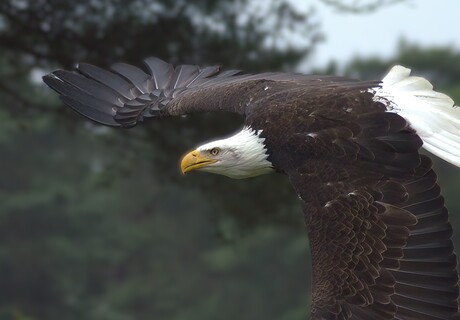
[(194, 160)]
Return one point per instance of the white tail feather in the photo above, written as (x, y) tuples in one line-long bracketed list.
[(431, 114)]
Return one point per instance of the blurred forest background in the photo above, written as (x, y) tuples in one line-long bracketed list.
[(98, 224)]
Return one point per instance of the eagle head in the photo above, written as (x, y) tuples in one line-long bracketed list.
[(240, 156)]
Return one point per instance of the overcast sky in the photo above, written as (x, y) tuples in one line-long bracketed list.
[(424, 22)]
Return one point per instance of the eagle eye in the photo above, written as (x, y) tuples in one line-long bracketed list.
[(214, 151)]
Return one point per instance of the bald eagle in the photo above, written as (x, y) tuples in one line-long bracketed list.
[(379, 232)]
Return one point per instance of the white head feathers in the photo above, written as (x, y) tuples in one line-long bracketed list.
[(240, 156)]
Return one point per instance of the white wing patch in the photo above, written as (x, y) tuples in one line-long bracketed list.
[(431, 114)]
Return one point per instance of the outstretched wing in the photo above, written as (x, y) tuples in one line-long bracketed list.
[(379, 231), (127, 94), (377, 256)]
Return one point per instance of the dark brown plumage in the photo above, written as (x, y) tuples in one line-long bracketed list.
[(379, 232)]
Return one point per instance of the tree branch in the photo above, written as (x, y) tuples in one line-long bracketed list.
[(357, 6)]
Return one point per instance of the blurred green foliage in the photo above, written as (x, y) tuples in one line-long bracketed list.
[(98, 223)]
